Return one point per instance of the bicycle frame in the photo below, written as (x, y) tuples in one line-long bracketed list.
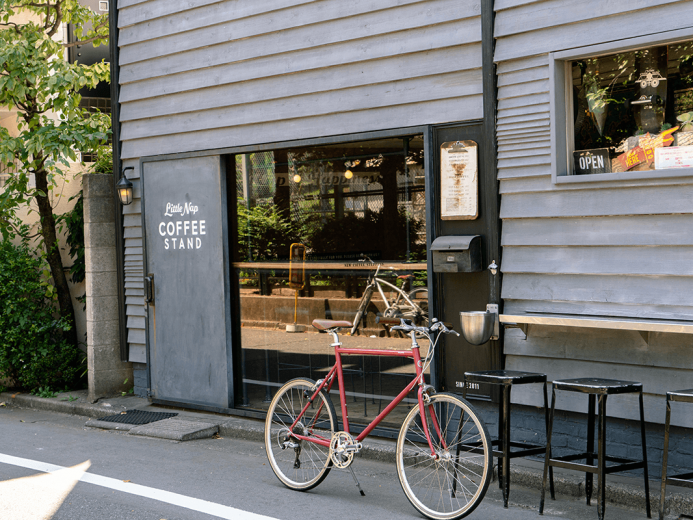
[(336, 370)]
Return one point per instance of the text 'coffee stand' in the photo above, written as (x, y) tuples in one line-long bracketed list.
[(181, 234)]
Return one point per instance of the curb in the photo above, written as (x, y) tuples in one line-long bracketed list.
[(528, 474)]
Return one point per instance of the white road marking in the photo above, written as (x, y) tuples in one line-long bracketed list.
[(175, 499)]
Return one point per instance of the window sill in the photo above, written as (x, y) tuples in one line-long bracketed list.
[(626, 176)]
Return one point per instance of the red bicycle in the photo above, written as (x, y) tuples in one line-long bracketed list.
[(443, 454)]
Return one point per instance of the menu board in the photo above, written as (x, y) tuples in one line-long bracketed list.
[(459, 180)]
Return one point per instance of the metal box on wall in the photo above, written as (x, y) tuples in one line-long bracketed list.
[(457, 254)]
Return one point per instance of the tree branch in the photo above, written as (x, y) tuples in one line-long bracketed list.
[(83, 42)]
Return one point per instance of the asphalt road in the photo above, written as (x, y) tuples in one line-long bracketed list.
[(227, 477)]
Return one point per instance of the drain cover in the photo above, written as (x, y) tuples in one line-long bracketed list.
[(137, 417)]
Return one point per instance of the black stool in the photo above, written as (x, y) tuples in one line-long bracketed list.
[(507, 378), (682, 479), (602, 388)]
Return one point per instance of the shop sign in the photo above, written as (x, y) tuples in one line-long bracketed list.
[(592, 161), (676, 157), (459, 180), (183, 230)]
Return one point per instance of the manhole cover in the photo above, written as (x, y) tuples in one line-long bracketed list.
[(138, 417)]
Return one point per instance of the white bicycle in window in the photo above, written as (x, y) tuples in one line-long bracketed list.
[(404, 302)]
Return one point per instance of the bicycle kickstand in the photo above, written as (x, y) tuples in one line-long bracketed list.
[(357, 481)]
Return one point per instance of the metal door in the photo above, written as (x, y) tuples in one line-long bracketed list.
[(186, 251), (468, 291)]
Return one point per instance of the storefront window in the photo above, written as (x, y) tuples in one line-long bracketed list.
[(357, 208), (633, 111)]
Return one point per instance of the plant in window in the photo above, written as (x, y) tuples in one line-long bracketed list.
[(687, 122)]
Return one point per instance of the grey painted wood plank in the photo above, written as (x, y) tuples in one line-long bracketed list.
[(203, 16), (506, 135), (135, 322), (526, 184), (523, 144), (134, 310), (133, 300), (160, 8), (128, 3), (599, 260), (540, 112), (133, 208), (665, 312), (133, 242), (192, 34), (523, 89), (133, 250), (430, 112), (398, 46), (136, 336), (531, 124), (506, 67), (613, 28), (501, 5), (525, 150), (137, 353), (132, 232), (639, 290), (553, 13), (524, 161), (524, 171), (424, 64), (132, 221), (380, 27), (393, 93), (633, 230), (523, 110), (624, 406), (600, 202), (602, 345), (522, 76), (520, 139), (134, 292), (524, 101)]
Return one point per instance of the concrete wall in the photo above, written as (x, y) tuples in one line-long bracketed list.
[(107, 373)]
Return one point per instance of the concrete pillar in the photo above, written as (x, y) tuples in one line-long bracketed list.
[(106, 371)]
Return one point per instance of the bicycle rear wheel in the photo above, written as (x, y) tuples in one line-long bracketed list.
[(451, 485), (299, 464)]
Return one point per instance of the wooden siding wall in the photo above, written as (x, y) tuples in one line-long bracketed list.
[(618, 249), (209, 74)]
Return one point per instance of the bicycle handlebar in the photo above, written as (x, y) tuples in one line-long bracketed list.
[(407, 326)]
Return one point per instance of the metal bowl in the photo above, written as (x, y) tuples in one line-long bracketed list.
[(477, 326)]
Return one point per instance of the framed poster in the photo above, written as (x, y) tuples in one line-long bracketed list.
[(459, 180)]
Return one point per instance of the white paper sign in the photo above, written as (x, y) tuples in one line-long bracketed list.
[(674, 157), (459, 180)]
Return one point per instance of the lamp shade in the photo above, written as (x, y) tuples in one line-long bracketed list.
[(124, 188)]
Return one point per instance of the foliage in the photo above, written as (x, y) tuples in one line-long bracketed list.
[(43, 87), (73, 222), (354, 233), (33, 353), (264, 233), (44, 392), (687, 120)]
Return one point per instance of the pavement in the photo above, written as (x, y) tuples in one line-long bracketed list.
[(622, 491)]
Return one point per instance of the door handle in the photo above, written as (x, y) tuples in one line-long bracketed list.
[(149, 288)]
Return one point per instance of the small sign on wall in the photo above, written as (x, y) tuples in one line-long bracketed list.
[(592, 161), (459, 180)]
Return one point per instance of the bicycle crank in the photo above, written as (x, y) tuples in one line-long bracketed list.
[(342, 449)]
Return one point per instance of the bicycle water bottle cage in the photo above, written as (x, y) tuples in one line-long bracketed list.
[(325, 325)]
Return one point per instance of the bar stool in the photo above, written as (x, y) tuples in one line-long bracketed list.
[(682, 479), (602, 388), (506, 379)]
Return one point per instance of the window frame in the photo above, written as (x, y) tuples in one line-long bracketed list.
[(561, 109)]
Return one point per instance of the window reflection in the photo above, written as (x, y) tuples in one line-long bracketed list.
[(354, 206)]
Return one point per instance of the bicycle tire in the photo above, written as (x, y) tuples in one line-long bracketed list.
[(294, 473), (422, 319), (363, 305), (454, 484)]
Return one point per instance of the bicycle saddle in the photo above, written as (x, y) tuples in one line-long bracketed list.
[(330, 324)]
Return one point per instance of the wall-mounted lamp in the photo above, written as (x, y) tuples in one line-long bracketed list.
[(124, 188)]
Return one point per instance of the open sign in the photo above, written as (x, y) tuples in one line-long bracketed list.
[(592, 161)]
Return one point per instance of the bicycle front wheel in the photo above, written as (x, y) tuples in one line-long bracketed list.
[(299, 464), (450, 484)]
